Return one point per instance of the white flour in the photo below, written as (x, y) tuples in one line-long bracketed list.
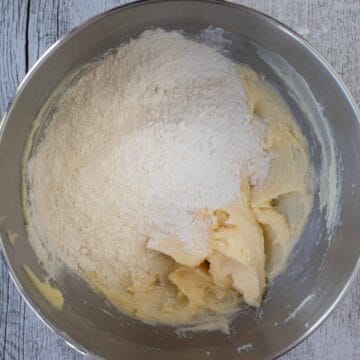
[(142, 142)]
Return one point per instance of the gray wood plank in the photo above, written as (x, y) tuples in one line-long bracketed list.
[(22, 334), (13, 22), (49, 20)]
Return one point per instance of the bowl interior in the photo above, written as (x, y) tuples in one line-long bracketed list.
[(321, 264)]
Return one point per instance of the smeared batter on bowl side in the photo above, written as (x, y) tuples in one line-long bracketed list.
[(171, 179)]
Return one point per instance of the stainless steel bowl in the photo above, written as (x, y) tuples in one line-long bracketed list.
[(320, 269)]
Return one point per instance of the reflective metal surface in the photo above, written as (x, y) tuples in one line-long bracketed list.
[(319, 270)]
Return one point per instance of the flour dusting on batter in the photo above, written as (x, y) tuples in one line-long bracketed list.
[(170, 178)]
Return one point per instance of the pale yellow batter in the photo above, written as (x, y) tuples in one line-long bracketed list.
[(250, 241), (51, 294), (76, 185)]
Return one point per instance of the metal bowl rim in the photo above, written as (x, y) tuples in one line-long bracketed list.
[(58, 43)]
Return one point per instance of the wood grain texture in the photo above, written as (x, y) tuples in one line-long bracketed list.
[(13, 22), (29, 27)]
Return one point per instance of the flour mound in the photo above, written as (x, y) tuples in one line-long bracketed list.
[(148, 138)]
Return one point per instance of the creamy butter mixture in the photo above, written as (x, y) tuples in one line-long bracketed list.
[(53, 295), (171, 179)]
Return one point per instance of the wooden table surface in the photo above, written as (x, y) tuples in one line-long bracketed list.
[(29, 27)]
